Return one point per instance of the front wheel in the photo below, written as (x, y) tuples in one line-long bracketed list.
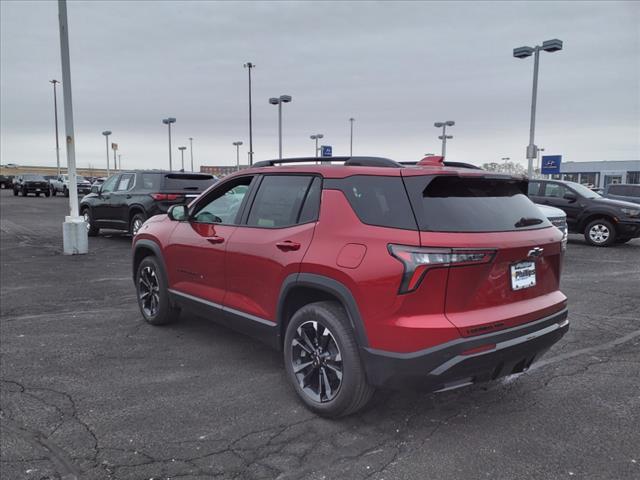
[(66, 192), (322, 361), (53, 192), (24, 192), (152, 293), (46, 194), (92, 230), (600, 233), (136, 222)]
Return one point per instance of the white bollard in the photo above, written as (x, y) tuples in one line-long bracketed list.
[(75, 238)]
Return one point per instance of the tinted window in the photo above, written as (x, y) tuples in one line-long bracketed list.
[(377, 200), (534, 188), (195, 182), (278, 201), (34, 178), (109, 184), (472, 204), (554, 190), (126, 182), (311, 207), (223, 204)]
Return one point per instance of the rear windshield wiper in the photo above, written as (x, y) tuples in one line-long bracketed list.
[(527, 222)]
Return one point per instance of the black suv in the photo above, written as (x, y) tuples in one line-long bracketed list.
[(603, 221), (125, 200), (30, 183)]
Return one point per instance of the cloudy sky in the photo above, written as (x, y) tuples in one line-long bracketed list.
[(396, 67)]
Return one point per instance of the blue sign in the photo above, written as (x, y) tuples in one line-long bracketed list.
[(326, 151), (550, 164)]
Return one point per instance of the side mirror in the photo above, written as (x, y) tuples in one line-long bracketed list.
[(178, 213), (95, 188), (572, 197)]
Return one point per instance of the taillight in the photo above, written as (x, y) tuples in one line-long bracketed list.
[(418, 260), (166, 196)]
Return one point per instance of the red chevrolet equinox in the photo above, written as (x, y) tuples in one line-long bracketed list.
[(365, 274)]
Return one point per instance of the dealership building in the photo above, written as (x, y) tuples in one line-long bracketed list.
[(600, 173)]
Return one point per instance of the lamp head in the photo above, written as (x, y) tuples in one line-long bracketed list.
[(285, 98), (552, 45), (274, 101), (106, 132), (450, 123), (523, 52)]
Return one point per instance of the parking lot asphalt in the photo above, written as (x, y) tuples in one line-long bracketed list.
[(90, 391)]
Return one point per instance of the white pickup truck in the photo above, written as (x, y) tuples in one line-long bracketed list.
[(60, 184)]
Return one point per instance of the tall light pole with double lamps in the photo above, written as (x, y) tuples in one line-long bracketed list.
[(550, 46), (182, 149), (55, 115), (237, 145), (505, 160), (249, 66), (279, 101), (168, 122), (316, 137), (191, 151), (351, 120), (106, 134), (444, 137)]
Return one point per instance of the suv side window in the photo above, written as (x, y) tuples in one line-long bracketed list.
[(278, 201), (109, 184), (223, 204), (311, 208), (126, 182), (555, 190)]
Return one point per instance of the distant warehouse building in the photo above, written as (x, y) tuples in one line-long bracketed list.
[(220, 170), (601, 173)]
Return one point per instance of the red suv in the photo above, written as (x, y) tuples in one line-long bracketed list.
[(365, 274)]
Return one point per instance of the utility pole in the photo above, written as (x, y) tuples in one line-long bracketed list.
[(351, 120), (191, 151), (120, 162), (168, 122), (114, 147), (237, 145), (106, 134), (249, 66), (279, 101), (444, 137), (182, 149), (74, 229), (55, 113)]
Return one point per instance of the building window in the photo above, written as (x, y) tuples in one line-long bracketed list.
[(633, 177), (571, 177), (590, 179), (556, 176)]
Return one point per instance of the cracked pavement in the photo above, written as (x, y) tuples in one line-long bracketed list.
[(89, 391)]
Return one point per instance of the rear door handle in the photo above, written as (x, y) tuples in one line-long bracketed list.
[(288, 246), (215, 240)]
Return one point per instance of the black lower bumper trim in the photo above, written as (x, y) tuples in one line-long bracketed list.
[(447, 365)]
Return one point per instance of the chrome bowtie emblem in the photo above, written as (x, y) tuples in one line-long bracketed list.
[(535, 252)]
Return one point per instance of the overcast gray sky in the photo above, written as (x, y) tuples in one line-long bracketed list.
[(396, 67)]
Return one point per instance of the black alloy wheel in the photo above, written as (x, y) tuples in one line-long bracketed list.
[(152, 293), (317, 361), (149, 291)]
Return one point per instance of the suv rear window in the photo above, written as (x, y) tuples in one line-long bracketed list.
[(176, 182), (472, 204)]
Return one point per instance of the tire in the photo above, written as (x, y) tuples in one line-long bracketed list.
[(337, 394), (92, 230), (65, 192), (150, 279), (600, 233), (24, 192), (136, 222), (46, 194), (15, 192), (53, 192)]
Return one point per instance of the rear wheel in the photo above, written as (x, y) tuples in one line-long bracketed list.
[(600, 233), (322, 361), (15, 192), (136, 222), (53, 192), (152, 293), (92, 230), (46, 194), (65, 192)]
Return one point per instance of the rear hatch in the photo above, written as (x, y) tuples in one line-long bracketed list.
[(505, 258)]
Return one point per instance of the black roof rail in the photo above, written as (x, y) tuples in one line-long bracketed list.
[(348, 161), (446, 164)]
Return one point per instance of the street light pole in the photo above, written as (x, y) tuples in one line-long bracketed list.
[(249, 66), (550, 46), (168, 122), (351, 120), (316, 137), (115, 164), (279, 101), (106, 134), (182, 149), (237, 145), (444, 136), (505, 160), (74, 229), (119, 162), (191, 151), (55, 113)]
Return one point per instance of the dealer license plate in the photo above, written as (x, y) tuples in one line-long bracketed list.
[(523, 275)]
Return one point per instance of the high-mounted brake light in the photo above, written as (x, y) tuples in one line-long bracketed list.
[(166, 196), (418, 260)]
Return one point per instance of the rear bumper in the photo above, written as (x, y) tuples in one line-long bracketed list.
[(454, 363)]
